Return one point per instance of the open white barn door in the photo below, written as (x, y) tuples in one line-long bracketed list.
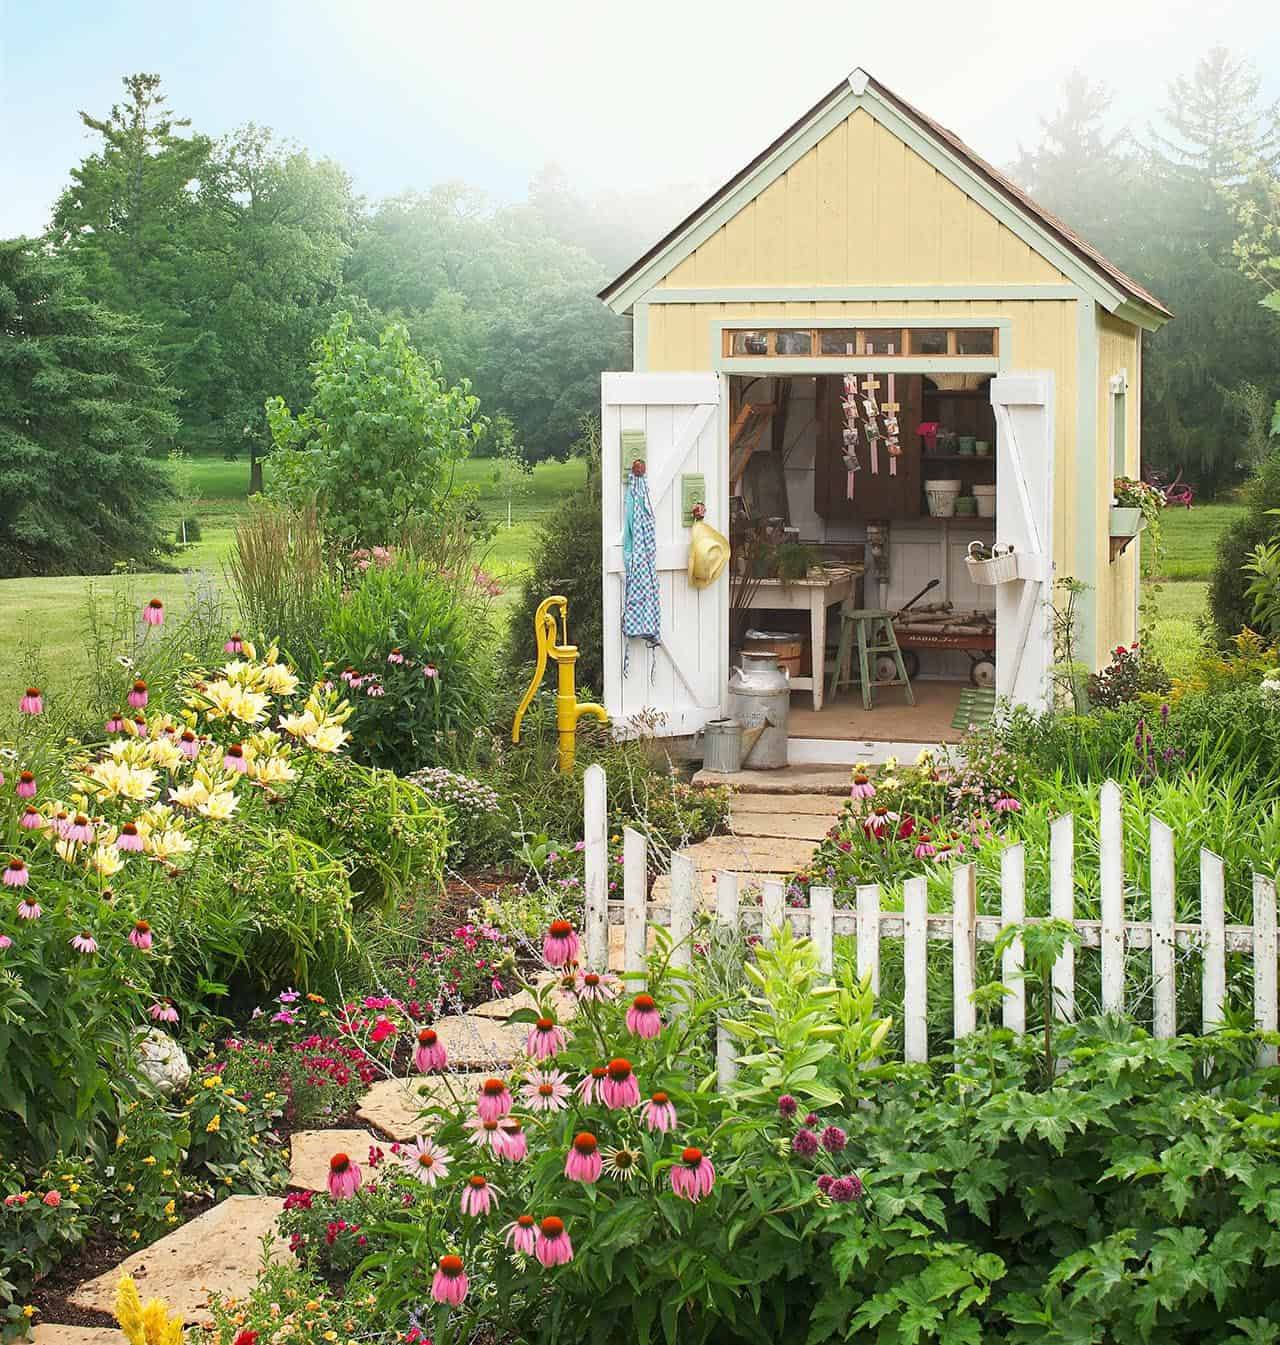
[(673, 422), (1024, 517)]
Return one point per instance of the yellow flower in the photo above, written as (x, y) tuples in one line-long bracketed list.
[(106, 861), (134, 1235), (211, 1081), (170, 1207), (331, 1335), (74, 1187), (219, 806), (214, 1125), (150, 1160), (28, 1311), (120, 1139), (129, 1309), (327, 738)]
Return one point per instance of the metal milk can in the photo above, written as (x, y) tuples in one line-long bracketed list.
[(760, 700)]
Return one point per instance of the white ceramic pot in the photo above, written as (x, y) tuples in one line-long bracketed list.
[(942, 496)]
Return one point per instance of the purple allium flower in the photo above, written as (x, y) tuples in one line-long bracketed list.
[(787, 1106), (845, 1189), (834, 1139), (824, 1183), (804, 1144), (813, 1119)]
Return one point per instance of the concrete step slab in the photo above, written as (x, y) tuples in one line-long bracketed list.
[(219, 1251), (788, 780), (779, 825), (395, 1106), (474, 1041), (822, 805)]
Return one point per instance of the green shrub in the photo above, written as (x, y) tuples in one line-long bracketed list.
[(567, 560), (1229, 602), (414, 650)]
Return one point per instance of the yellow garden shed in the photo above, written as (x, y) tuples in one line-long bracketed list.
[(865, 353)]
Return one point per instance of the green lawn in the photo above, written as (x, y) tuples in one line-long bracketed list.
[(1191, 538), (1176, 632)]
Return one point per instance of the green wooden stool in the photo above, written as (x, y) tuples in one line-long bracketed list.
[(873, 629)]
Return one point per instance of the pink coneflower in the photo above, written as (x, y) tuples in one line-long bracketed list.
[(620, 1088), (643, 1019), (26, 786), (78, 830), (546, 1038), (395, 656), (84, 942), (429, 1053), (879, 822), (115, 724), (153, 613), (29, 909), (494, 1101), (862, 787), (595, 987), (516, 1148), (31, 818), (1006, 804), (924, 848), (233, 759), (553, 1246), (519, 1234), (583, 1162), (16, 873), (450, 1283), (129, 839), (375, 689), (478, 1196), (344, 1177), (32, 703), (545, 1091), (189, 745), (140, 935), (427, 1161), (659, 1113), (488, 1133), (430, 671), (5, 942), (589, 1089), (138, 694), (693, 1176), (164, 1012), (234, 644), (560, 945)]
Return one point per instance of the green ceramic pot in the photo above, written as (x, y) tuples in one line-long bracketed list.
[(965, 444), (966, 505), (982, 448)]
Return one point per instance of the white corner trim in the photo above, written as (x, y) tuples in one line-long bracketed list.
[(858, 81)]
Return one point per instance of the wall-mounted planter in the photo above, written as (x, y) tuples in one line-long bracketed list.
[(1126, 523)]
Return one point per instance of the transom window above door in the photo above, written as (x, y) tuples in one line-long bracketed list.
[(834, 342)]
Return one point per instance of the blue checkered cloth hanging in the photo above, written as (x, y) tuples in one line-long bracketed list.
[(641, 610)]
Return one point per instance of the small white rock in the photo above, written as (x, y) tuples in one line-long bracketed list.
[(162, 1062)]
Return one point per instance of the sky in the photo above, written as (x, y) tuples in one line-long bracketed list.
[(410, 93)]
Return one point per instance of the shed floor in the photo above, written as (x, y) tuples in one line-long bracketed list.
[(891, 719)]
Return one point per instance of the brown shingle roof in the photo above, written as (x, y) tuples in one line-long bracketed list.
[(1071, 240)]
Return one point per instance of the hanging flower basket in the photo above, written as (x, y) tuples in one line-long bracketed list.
[(995, 566), (1126, 520)]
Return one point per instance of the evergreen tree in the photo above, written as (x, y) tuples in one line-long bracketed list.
[(85, 417)]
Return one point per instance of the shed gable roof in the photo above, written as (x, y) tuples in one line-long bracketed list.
[(986, 185)]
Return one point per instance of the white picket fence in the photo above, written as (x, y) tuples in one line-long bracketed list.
[(962, 926)]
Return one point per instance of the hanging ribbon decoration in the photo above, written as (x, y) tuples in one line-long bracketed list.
[(892, 444), (850, 433)]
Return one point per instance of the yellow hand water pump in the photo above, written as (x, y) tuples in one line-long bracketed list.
[(568, 710)]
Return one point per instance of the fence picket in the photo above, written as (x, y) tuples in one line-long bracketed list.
[(1164, 1008), (727, 919), (964, 948), (1062, 906), (771, 907), (1213, 920), (822, 925), (635, 895), (915, 950), (1264, 962), (868, 934), (684, 879), (596, 877), (1111, 848), (1013, 910)]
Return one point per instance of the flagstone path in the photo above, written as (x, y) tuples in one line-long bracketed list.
[(777, 820)]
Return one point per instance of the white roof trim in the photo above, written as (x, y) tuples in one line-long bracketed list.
[(824, 118)]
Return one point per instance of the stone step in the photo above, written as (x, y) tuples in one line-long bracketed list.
[(474, 1041), (788, 780), (54, 1333), (824, 805), (750, 887), (777, 824), (311, 1150), (219, 1251), (394, 1106), (502, 1009)]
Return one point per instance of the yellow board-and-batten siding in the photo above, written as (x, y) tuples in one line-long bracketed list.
[(1119, 351)]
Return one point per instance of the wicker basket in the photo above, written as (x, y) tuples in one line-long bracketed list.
[(999, 569)]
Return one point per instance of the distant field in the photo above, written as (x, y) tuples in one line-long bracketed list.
[(46, 617), (1191, 538)]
